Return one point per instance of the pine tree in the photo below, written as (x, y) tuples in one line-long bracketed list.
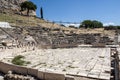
[(28, 5)]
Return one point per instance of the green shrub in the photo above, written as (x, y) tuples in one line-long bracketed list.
[(18, 60), (28, 62)]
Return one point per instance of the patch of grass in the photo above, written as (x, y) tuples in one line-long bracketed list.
[(64, 70), (28, 62), (70, 66), (101, 57), (18, 60)]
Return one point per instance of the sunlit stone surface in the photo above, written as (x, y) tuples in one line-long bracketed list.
[(89, 62)]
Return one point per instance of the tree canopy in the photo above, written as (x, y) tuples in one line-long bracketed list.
[(28, 5), (112, 27), (91, 24)]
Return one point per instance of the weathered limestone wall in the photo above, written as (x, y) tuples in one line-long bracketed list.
[(4, 67)]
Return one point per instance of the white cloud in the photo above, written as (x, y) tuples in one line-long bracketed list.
[(76, 25), (109, 23)]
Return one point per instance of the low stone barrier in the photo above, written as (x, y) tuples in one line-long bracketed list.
[(20, 70), (69, 77), (4, 67), (33, 72), (40, 75), (53, 76)]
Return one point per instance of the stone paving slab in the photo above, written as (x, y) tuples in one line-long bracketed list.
[(88, 62), (104, 76)]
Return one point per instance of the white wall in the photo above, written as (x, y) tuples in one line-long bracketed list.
[(119, 38), (5, 25)]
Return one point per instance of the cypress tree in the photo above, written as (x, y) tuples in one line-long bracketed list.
[(41, 12)]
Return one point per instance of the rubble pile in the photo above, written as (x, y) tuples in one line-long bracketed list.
[(48, 38), (11, 76)]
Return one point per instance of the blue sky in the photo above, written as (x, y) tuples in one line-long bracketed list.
[(106, 11)]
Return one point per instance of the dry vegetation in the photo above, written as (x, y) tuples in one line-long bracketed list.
[(18, 20), (25, 21)]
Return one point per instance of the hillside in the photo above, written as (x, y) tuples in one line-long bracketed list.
[(25, 21), (12, 5), (49, 34), (9, 12)]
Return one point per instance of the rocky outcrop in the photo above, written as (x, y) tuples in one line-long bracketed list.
[(10, 4), (13, 6)]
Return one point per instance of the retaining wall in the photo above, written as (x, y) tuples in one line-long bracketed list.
[(4, 67), (40, 75)]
